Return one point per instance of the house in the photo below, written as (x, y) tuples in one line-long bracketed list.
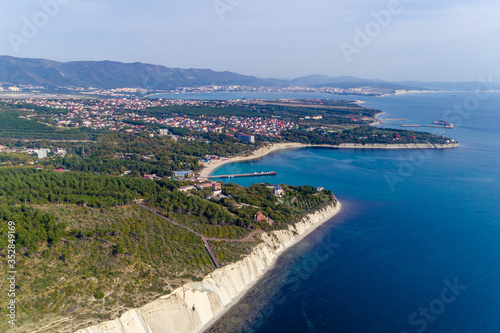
[(277, 189), (183, 174), (61, 152), (260, 217), (204, 185), (320, 189), (152, 177), (216, 186), (217, 195), (186, 188)]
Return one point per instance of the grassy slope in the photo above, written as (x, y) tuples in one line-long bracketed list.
[(60, 282)]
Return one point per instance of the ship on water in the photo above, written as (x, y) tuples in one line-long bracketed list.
[(442, 123)]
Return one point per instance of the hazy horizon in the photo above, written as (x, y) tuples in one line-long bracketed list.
[(387, 40)]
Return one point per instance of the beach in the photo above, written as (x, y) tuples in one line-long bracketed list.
[(261, 152)]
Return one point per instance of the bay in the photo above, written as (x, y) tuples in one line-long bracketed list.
[(416, 247)]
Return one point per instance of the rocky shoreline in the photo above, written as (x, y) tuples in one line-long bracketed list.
[(195, 306)]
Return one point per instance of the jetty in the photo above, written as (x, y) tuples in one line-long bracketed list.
[(254, 174)]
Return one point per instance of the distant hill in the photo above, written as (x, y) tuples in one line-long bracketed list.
[(112, 74), (349, 82), (452, 86), (373, 85)]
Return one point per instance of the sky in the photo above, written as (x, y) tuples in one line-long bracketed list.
[(394, 40)]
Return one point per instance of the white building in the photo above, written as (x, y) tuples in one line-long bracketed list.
[(42, 153)]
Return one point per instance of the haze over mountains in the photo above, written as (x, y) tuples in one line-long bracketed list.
[(112, 74)]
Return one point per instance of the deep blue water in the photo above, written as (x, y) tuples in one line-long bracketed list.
[(413, 223)]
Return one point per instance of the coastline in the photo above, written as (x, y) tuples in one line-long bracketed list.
[(296, 240), (196, 306), (261, 152)]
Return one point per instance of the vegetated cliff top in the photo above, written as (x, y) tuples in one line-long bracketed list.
[(86, 252)]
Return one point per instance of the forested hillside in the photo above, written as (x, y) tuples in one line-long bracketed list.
[(86, 251)]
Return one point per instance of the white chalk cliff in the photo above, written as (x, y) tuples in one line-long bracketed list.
[(190, 308)]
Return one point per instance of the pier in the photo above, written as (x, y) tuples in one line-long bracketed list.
[(394, 119), (255, 174)]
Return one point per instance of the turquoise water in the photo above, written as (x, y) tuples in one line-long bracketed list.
[(413, 224)]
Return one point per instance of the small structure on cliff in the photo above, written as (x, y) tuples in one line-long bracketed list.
[(261, 217)]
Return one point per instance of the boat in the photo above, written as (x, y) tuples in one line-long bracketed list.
[(441, 122)]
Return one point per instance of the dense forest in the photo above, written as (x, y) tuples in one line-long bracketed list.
[(77, 234), (13, 127), (362, 135)]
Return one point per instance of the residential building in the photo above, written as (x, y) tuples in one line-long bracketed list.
[(246, 138), (260, 217), (183, 174), (277, 189), (42, 153), (186, 188)]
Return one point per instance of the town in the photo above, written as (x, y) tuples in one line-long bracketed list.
[(123, 115), (142, 92)]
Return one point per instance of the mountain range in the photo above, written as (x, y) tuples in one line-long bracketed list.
[(113, 74)]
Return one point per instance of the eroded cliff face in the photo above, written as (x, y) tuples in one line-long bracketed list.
[(191, 307)]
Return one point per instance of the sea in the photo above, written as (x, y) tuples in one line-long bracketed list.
[(416, 247)]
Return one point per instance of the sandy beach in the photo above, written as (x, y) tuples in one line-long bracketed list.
[(261, 152), (214, 164)]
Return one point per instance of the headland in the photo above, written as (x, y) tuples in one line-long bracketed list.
[(195, 306)]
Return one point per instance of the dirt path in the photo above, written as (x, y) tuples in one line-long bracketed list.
[(248, 238), (205, 239)]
